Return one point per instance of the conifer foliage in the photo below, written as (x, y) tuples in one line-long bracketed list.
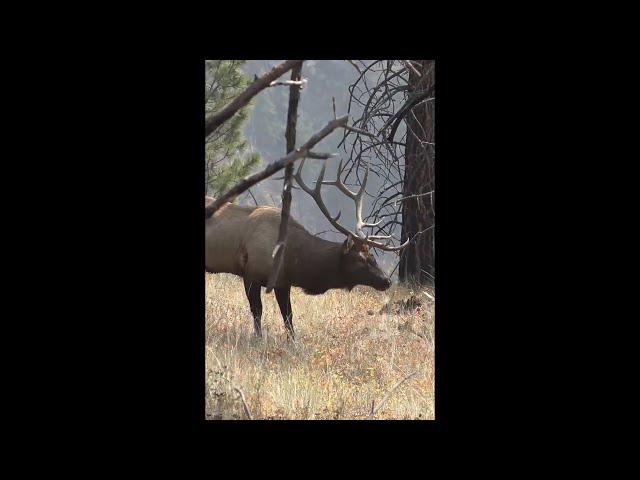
[(228, 156)]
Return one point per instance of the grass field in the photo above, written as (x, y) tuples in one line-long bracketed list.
[(357, 355)]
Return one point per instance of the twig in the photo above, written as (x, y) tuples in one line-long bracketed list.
[(410, 65), (361, 132), (254, 198), (244, 403), (406, 108), (354, 66), (313, 155), (259, 84), (274, 167), (300, 83), (412, 196), (325, 231), (386, 397)]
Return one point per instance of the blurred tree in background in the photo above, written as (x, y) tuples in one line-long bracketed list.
[(228, 156)]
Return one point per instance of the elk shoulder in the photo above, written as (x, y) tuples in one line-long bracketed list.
[(241, 239)]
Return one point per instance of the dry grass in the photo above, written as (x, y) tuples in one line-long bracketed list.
[(351, 350)]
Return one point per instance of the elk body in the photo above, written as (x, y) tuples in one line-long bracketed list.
[(241, 240)]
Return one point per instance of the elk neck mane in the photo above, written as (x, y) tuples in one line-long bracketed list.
[(314, 262)]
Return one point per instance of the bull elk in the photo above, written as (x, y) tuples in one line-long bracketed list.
[(241, 240)]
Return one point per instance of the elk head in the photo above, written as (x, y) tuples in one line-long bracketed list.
[(359, 267)]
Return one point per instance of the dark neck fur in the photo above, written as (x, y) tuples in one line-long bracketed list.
[(316, 267)]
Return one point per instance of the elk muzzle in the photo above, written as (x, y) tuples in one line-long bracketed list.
[(383, 285)]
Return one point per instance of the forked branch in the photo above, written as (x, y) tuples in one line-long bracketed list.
[(274, 167), (259, 84)]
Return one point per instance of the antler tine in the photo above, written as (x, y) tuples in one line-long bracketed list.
[(364, 182), (298, 177), (316, 194), (338, 175), (341, 186), (360, 223), (320, 177), (379, 237), (389, 249), (372, 224), (358, 200)]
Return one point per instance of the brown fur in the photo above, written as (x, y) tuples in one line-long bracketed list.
[(241, 240)]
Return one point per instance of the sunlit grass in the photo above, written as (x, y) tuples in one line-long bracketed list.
[(348, 355)]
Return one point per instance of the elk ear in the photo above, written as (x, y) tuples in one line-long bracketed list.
[(347, 245)]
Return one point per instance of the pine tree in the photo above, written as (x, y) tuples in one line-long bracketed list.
[(228, 156)]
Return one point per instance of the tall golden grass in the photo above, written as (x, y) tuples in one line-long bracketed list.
[(358, 355)]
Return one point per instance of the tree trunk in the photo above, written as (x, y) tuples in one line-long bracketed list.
[(417, 263)]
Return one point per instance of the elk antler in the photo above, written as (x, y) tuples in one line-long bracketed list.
[(356, 197)]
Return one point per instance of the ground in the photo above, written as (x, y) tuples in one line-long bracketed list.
[(357, 355)]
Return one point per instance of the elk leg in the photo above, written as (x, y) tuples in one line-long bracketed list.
[(252, 290), (283, 295)]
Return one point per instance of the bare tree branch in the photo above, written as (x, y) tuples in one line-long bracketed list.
[(254, 198), (358, 130), (354, 66), (386, 397), (413, 196), (218, 118), (315, 156), (272, 168), (410, 65), (240, 394), (244, 403), (300, 83), (321, 156), (325, 231), (406, 108)]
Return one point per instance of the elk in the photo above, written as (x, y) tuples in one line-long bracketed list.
[(241, 240)]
